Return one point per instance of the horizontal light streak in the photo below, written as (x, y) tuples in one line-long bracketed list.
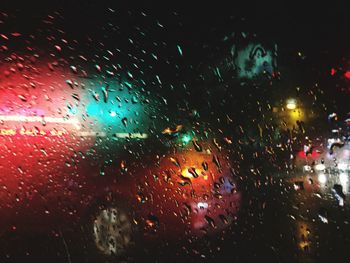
[(118, 135), (19, 118)]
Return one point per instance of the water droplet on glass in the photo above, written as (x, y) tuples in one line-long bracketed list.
[(125, 121), (205, 166), (223, 219), (210, 221), (197, 146), (175, 161)]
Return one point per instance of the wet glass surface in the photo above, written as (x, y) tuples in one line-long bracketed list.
[(179, 134)]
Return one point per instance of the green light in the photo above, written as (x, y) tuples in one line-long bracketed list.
[(186, 139), (179, 49)]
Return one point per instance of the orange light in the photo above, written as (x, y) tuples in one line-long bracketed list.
[(170, 131)]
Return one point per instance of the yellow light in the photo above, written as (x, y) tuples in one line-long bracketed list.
[(291, 104), (186, 173), (297, 114)]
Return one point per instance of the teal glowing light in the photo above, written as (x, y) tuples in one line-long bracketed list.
[(186, 139), (93, 109), (179, 49), (118, 109)]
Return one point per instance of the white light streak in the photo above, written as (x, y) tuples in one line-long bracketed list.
[(18, 118)]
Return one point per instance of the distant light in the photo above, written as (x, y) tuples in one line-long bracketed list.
[(322, 178), (307, 168), (186, 139), (291, 104), (180, 50), (347, 74), (343, 178), (19, 118), (113, 114), (202, 205), (342, 166), (320, 167), (118, 135), (131, 135), (323, 219)]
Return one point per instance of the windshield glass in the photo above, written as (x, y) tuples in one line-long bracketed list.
[(182, 134)]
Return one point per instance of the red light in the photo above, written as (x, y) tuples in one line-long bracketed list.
[(333, 71), (347, 74), (314, 154)]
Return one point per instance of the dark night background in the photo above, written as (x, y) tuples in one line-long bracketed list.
[(319, 32)]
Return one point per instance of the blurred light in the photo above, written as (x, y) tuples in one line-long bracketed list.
[(37, 119), (118, 135), (186, 173), (320, 167), (93, 109), (18, 118), (291, 104), (347, 74), (342, 166), (113, 114), (296, 114), (202, 205), (73, 110), (322, 178), (323, 219), (314, 154), (131, 135), (343, 178), (31, 132), (307, 168), (186, 139)]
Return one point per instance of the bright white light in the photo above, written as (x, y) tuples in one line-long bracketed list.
[(291, 104), (113, 114), (322, 178), (342, 166), (320, 167), (118, 135), (343, 178), (37, 119), (18, 118), (331, 141), (202, 205), (323, 219)]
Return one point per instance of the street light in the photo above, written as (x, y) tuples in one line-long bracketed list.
[(291, 104)]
